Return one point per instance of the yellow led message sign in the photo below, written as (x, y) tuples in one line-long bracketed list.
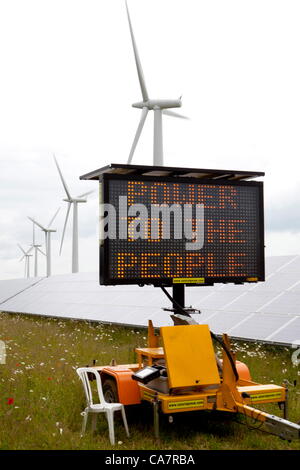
[(180, 230)]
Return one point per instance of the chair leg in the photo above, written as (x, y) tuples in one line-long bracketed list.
[(110, 420), (94, 422), (85, 417), (125, 421)]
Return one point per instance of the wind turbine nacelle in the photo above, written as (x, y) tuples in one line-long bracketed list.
[(158, 104), (75, 200)]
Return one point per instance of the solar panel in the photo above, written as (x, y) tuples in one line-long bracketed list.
[(251, 301), (287, 302), (223, 322), (269, 311), (277, 262), (278, 283), (292, 266), (289, 334), (258, 326), (11, 287)]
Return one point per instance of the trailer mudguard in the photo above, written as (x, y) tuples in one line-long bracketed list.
[(128, 389)]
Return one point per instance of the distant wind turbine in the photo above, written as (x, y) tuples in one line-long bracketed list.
[(26, 256), (37, 249), (75, 201), (158, 106), (47, 231)]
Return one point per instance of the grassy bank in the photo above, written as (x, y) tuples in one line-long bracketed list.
[(41, 398)]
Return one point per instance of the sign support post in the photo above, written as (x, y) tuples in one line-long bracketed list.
[(179, 297)]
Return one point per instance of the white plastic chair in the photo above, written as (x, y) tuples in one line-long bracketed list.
[(102, 407)]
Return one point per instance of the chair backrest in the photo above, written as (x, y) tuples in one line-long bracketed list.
[(83, 374)]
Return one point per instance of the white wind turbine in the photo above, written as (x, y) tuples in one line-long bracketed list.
[(47, 231), (158, 106), (75, 201), (26, 256), (37, 249)]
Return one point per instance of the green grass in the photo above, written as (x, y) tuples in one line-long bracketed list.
[(42, 355)]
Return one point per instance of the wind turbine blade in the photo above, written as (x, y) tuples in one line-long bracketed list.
[(35, 222), (33, 234), (21, 259), (85, 194), (41, 251), (30, 249), (22, 249), (62, 179), (138, 133), (137, 61), (173, 114), (65, 224), (52, 220)]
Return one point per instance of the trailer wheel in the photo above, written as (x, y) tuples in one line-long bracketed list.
[(110, 391)]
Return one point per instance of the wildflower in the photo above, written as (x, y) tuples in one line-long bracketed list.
[(120, 442), (49, 378), (28, 418), (42, 364), (61, 431), (10, 401)]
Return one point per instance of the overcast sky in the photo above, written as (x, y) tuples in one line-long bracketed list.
[(68, 79)]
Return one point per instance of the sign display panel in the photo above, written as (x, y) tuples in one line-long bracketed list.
[(165, 231)]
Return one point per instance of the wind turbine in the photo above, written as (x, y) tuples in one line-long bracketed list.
[(26, 255), (75, 201), (37, 249), (159, 107), (47, 231)]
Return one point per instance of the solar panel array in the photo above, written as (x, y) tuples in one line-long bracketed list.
[(268, 311)]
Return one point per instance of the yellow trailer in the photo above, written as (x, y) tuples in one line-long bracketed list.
[(184, 375)]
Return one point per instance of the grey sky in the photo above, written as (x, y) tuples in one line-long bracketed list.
[(68, 80)]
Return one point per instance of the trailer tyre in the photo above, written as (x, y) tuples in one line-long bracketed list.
[(110, 391)]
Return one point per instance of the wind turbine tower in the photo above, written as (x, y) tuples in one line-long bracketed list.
[(47, 231), (158, 106), (71, 201), (26, 256), (37, 249)]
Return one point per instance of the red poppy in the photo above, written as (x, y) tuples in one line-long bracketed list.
[(18, 364), (10, 401), (49, 378)]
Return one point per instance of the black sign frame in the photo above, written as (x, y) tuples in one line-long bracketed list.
[(105, 278)]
